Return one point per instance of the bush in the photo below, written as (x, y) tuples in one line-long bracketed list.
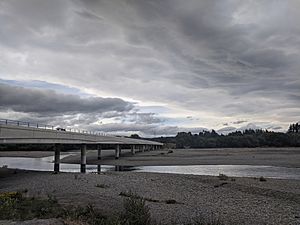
[(136, 211), (262, 179), (13, 205)]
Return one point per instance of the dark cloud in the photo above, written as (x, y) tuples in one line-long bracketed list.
[(45, 102)]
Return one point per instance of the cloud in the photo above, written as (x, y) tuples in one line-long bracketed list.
[(239, 121), (145, 130), (216, 61), (47, 102)]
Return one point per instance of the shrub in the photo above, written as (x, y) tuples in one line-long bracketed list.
[(136, 211), (262, 179)]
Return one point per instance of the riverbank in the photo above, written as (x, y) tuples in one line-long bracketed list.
[(232, 200), (283, 157)]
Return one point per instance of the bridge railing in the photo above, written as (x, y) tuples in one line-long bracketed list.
[(48, 127)]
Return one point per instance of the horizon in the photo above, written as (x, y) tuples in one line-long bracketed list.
[(151, 68)]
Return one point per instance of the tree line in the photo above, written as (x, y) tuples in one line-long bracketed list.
[(239, 139)]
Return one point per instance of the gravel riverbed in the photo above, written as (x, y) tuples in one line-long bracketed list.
[(233, 201)]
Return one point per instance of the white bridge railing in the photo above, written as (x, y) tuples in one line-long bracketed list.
[(48, 127)]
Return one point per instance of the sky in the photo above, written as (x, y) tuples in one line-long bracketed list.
[(151, 67)]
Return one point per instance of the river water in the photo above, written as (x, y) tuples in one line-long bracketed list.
[(46, 164)]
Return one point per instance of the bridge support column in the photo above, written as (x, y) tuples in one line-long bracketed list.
[(117, 151), (83, 159), (133, 149), (98, 169), (56, 157), (99, 148)]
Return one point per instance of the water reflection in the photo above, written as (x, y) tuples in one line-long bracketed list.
[(45, 164)]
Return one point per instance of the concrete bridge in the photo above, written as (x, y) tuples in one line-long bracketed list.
[(24, 133)]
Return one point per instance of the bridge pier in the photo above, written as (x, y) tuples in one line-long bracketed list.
[(98, 169), (117, 151), (83, 159), (133, 149), (99, 148), (56, 157)]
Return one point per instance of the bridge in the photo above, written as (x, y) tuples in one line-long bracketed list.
[(17, 132)]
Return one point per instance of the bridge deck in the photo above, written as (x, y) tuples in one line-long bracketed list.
[(10, 134)]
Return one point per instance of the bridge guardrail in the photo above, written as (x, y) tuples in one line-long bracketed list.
[(47, 127)]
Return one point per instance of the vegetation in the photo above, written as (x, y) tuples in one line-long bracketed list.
[(262, 179), (136, 211), (294, 128), (14, 206), (238, 139)]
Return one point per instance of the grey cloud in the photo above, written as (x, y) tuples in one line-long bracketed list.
[(144, 118), (239, 121), (146, 130), (226, 130), (49, 102), (204, 56)]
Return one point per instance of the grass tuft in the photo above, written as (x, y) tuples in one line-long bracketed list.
[(136, 211)]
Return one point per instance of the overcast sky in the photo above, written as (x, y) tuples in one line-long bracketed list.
[(152, 67)]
